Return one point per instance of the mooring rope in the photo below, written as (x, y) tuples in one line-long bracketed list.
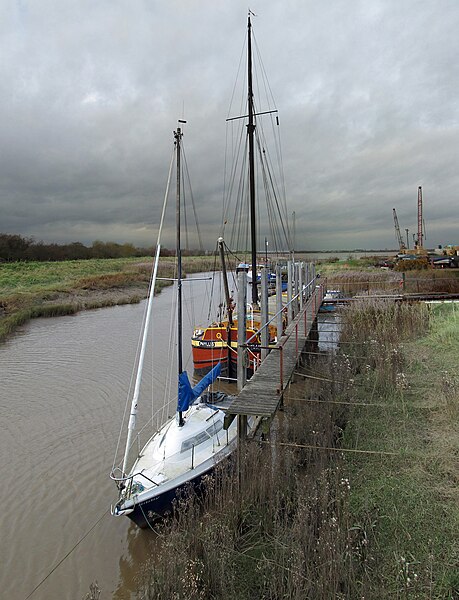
[(297, 398), (68, 554), (291, 445)]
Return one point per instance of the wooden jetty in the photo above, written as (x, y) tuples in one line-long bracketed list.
[(262, 395)]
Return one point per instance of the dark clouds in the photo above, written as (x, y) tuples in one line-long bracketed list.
[(90, 93)]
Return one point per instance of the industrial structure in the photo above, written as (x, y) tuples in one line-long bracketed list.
[(419, 246), (441, 257), (398, 235)]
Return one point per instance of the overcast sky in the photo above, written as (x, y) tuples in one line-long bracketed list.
[(367, 93)]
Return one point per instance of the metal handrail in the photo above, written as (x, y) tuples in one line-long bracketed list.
[(282, 341), (121, 479), (282, 310), (279, 343)]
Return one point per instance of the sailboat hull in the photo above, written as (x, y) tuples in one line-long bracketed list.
[(218, 343), (147, 512), (153, 503)]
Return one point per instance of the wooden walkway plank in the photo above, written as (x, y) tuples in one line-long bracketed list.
[(263, 393)]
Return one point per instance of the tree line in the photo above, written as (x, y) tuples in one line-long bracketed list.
[(15, 247)]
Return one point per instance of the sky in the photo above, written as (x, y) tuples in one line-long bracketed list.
[(367, 94)]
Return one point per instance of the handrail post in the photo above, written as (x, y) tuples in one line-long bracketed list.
[(289, 291), (264, 313), (300, 281), (281, 366), (280, 325)]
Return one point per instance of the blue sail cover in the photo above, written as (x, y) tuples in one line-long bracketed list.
[(187, 394)]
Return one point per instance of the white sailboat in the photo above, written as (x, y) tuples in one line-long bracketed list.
[(187, 446)]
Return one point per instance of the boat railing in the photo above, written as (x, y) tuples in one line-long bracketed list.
[(299, 322), (125, 482)]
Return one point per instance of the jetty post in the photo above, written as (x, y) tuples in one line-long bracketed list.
[(241, 336), (280, 322), (264, 313), (296, 287), (289, 292), (300, 281)]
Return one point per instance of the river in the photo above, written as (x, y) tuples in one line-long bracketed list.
[(64, 383)]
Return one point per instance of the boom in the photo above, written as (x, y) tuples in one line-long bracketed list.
[(401, 244)]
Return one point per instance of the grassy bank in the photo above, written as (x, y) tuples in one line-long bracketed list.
[(406, 506), (36, 289), (355, 493)]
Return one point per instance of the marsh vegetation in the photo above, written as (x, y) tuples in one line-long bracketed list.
[(44, 289)]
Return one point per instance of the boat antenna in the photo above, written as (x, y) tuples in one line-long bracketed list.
[(250, 133), (178, 138)]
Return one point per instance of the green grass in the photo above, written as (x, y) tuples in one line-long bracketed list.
[(35, 289), (36, 276), (406, 506)]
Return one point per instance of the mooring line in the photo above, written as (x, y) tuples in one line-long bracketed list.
[(318, 378), (67, 555), (291, 445), (297, 398)]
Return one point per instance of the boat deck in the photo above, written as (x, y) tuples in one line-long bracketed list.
[(262, 394)]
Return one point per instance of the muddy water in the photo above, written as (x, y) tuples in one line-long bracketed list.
[(63, 388)]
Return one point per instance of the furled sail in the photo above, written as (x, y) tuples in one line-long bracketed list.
[(187, 394)]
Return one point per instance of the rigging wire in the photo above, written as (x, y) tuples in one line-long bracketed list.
[(186, 178), (150, 291), (267, 177)]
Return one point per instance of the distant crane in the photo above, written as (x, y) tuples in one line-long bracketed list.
[(398, 235), (419, 243)]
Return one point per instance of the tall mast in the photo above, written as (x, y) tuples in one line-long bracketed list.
[(178, 138), (250, 133)]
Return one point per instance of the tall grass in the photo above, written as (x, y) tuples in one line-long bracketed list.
[(369, 281), (265, 534), (431, 280), (372, 281)]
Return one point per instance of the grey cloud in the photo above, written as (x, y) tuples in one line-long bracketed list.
[(90, 93)]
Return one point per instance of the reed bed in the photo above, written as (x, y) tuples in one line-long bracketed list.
[(373, 334), (431, 280), (265, 534), (368, 281), (373, 281)]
